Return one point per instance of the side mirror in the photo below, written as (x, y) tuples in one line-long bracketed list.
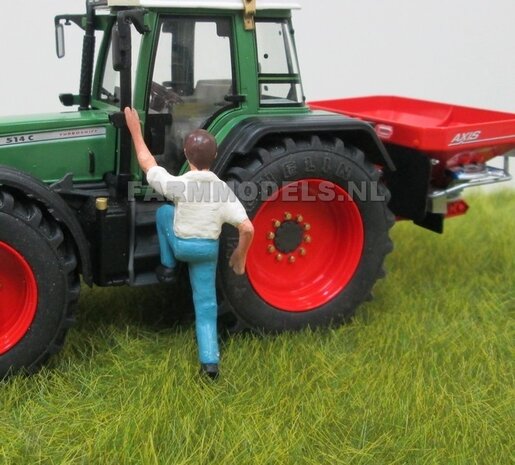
[(59, 40), (121, 47)]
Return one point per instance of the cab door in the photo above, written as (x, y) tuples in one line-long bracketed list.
[(193, 81)]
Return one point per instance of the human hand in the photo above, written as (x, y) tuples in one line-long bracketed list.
[(132, 119), (145, 158), (237, 261)]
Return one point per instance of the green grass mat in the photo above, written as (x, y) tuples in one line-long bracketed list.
[(423, 375)]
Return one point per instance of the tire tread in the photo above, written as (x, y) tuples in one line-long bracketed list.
[(244, 169), (33, 216)]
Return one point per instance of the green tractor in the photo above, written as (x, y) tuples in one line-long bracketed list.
[(73, 202)]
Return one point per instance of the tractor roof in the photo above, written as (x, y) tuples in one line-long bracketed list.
[(211, 4)]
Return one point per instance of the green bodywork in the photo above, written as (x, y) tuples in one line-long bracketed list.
[(48, 146), (85, 143)]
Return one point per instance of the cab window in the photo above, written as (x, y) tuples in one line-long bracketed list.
[(192, 78), (279, 77)]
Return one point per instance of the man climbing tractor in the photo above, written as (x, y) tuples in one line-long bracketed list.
[(189, 230)]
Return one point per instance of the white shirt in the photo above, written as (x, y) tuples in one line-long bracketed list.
[(203, 202)]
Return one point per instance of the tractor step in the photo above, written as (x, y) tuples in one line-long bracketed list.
[(144, 279), (145, 252)]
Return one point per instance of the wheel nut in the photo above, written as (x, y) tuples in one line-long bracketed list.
[(302, 252), (288, 216), (307, 227), (300, 218), (276, 223), (271, 249), (291, 259), (270, 236), (279, 257), (307, 239)]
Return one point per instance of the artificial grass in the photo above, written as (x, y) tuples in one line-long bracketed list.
[(423, 375)]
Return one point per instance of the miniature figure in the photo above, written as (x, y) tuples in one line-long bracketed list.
[(189, 230)]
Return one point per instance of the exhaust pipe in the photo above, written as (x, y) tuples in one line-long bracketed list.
[(88, 56)]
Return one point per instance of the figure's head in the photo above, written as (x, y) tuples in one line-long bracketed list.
[(200, 149)]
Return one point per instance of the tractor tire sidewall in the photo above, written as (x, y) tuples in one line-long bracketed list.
[(341, 169), (52, 287)]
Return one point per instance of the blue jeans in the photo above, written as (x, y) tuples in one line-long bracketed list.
[(201, 256)]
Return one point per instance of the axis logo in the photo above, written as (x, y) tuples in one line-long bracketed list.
[(465, 137)]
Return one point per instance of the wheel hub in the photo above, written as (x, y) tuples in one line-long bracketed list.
[(304, 253), (288, 236)]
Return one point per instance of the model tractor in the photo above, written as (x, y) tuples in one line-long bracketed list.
[(322, 183)]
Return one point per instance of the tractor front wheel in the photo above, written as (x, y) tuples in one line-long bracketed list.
[(39, 285)]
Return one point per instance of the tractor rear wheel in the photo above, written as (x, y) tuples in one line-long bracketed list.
[(321, 234), (39, 285)]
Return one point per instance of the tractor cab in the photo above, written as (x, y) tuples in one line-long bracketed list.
[(184, 67)]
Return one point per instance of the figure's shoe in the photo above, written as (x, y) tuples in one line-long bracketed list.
[(165, 274), (209, 369)]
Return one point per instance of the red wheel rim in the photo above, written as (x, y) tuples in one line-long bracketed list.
[(18, 297), (325, 260)]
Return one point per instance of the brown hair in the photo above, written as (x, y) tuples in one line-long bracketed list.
[(200, 149)]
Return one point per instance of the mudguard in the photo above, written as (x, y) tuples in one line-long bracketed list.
[(56, 207), (244, 136)]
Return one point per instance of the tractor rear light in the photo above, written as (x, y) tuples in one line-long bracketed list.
[(476, 157), (456, 208)]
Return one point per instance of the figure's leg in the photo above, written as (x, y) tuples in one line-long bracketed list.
[(202, 278), (164, 222), (166, 236)]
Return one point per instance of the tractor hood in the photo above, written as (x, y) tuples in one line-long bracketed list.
[(48, 146), (16, 125)]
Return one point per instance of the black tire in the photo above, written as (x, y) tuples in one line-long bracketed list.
[(292, 160), (39, 240)]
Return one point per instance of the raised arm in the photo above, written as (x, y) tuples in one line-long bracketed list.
[(239, 256), (145, 158)]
